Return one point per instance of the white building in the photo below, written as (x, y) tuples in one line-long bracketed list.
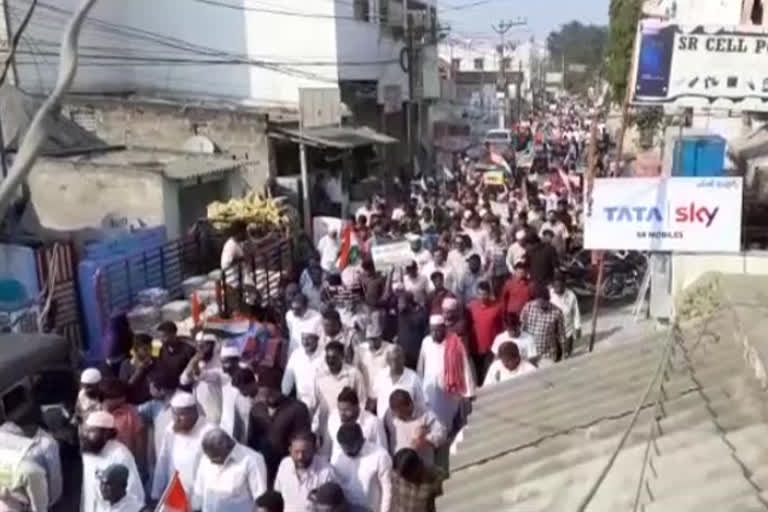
[(237, 50)]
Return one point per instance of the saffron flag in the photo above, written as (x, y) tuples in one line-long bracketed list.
[(349, 254), (174, 498), (499, 160)]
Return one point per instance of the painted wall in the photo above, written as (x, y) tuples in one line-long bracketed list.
[(68, 195), (194, 30), (687, 268)]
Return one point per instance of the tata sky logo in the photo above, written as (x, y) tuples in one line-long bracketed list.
[(690, 214)]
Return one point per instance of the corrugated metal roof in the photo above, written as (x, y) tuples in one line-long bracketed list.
[(539, 442), (340, 137), (195, 165)]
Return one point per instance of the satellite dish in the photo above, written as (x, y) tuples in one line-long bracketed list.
[(199, 144)]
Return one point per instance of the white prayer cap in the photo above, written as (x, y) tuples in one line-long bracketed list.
[(309, 330), (450, 303), (228, 351), (203, 337), (520, 235), (100, 419), (412, 237), (436, 320), (183, 400), (373, 330), (90, 376), (467, 214), (484, 212)]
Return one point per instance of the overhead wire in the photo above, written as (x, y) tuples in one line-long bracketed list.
[(37, 132), (15, 41)]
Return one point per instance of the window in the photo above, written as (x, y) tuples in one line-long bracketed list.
[(506, 63), (479, 64), (455, 64), (362, 10)]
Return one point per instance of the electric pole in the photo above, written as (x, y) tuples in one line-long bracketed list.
[(501, 29)]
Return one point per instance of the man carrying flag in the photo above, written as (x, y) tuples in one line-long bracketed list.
[(350, 256), (174, 498)]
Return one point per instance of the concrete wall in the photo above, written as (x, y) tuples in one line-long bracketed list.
[(242, 135), (687, 268), (69, 195), (270, 50)]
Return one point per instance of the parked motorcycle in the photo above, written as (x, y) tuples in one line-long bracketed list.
[(623, 273)]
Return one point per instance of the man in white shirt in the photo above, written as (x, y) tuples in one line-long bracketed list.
[(348, 411), (313, 290), (373, 360), (440, 264), (331, 376), (233, 253), (230, 477), (301, 472), (397, 377), (516, 252), (409, 427), (113, 487), (301, 319), (99, 451), (558, 229), (364, 470), (421, 256), (328, 246), (566, 300), (507, 366), (300, 370), (205, 374), (181, 449), (514, 333)]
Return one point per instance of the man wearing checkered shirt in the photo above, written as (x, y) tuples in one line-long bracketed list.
[(546, 323)]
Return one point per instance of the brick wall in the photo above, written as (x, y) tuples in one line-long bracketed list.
[(242, 135)]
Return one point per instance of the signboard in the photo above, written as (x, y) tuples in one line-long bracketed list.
[(577, 68), (493, 178), (320, 107), (553, 78), (387, 256), (687, 65), (665, 214)]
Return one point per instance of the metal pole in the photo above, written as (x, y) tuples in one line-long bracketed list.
[(411, 85), (307, 204)]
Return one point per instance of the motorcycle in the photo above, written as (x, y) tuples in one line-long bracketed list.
[(623, 273)]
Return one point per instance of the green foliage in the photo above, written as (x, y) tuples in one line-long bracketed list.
[(580, 44), (624, 17)]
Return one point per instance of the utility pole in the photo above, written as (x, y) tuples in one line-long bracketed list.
[(411, 86), (501, 29)]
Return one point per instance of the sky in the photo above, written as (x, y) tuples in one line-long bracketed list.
[(543, 16)]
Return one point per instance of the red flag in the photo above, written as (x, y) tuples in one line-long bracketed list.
[(174, 498)]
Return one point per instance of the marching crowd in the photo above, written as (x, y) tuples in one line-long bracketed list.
[(379, 367)]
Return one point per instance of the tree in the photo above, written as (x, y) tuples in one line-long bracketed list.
[(624, 17), (579, 44)]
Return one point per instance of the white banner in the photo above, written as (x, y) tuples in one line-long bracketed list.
[(387, 256), (688, 65), (665, 214)]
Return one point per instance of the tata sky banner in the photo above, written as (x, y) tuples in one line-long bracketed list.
[(665, 214), (681, 65)]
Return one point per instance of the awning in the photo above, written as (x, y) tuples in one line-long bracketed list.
[(339, 137)]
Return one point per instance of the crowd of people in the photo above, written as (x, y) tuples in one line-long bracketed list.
[(378, 371)]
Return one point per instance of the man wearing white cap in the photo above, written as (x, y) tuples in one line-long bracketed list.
[(420, 255), (446, 372), (373, 359), (99, 451), (230, 363), (205, 371), (182, 446), (88, 398)]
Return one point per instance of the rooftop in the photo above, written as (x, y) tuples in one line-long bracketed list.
[(540, 442)]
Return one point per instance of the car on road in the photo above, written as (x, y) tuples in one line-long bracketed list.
[(499, 137)]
